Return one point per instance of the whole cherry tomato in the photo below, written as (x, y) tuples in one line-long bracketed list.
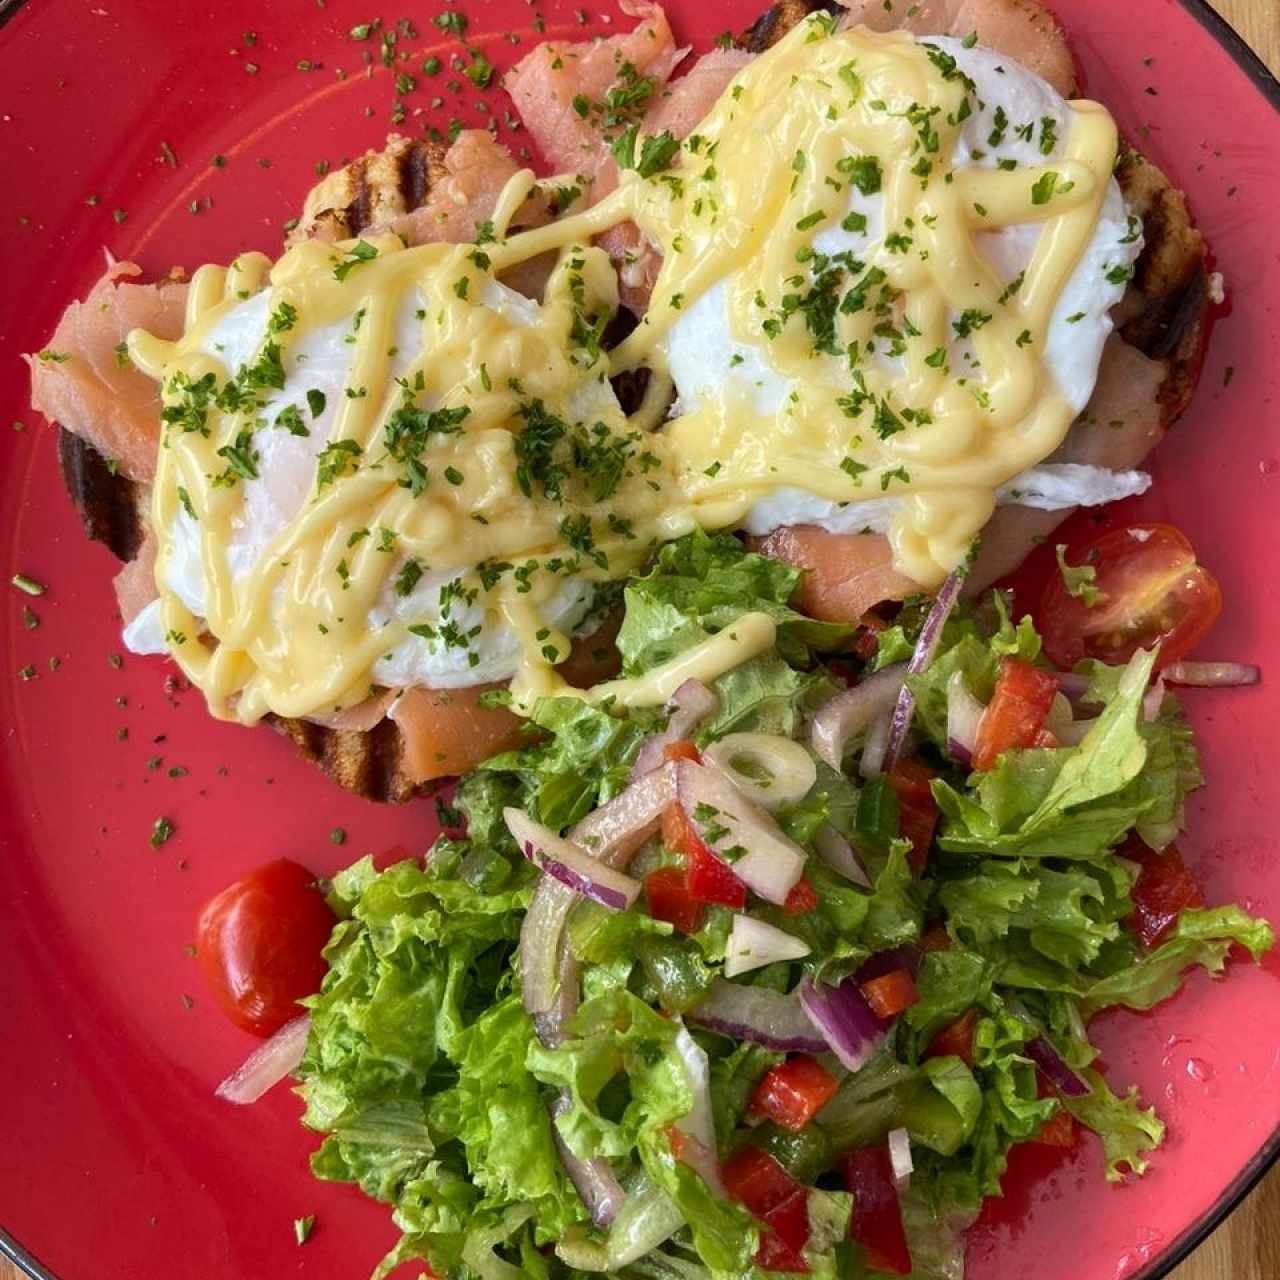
[(259, 942)]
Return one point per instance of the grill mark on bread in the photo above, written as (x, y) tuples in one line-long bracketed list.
[(776, 21), (106, 500)]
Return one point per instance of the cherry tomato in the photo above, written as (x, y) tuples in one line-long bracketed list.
[(890, 993), (1151, 590), (1016, 714), (877, 1215), (793, 1092), (259, 943)]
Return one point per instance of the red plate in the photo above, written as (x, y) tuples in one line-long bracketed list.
[(116, 1160)]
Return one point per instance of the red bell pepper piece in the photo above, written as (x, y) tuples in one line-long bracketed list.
[(877, 1216), (890, 994), (917, 810), (667, 891), (682, 749), (1058, 1131), (793, 1092), (936, 939), (802, 898), (1017, 710), (758, 1181), (1163, 890), (955, 1038), (710, 878)]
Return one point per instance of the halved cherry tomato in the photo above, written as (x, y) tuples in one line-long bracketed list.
[(877, 1216), (955, 1038), (1058, 1131), (1151, 589), (889, 994), (917, 810), (793, 1092), (682, 749), (667, 893), (259, 943), (1016, 713), (1163, 890), (801, 900), (710, 878), (758, 1181)]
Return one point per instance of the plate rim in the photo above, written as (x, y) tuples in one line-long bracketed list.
[(1267, 83)]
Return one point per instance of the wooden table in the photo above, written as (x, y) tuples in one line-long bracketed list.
[(1247, 1245)]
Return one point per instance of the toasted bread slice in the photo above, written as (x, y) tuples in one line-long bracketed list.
[(1162, 316)]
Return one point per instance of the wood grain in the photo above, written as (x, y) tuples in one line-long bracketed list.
[(1247, 1245)]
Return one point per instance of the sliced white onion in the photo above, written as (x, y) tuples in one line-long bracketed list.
[(839, 855), (1212, 674), (754, 944), (772, 864), (593, 1179), (616, 830), (926, 647), (849, 713), (268, 1064), (1153, 699), (760, 1015), (691, 704), (964, 712), (698, 1124), (875, 745), (573, 866), (900, 1158), (1073, 734), (790, 768)]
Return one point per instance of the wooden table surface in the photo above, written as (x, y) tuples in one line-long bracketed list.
[(1247, 1245)]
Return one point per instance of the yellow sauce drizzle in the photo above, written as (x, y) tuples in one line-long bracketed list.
[(291, 633)]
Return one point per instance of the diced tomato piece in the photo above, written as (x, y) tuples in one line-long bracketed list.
[(682, 749), (1058, 1131), (890, 994), (877, 1216), (917, 810), (758, 1181), (802, 898), (1164, 888), (710, 878), (667, 891), (955, 1038), (936, 939), (793, 1092), (1016, 712)]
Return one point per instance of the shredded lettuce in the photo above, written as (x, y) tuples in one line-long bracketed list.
[(435, 1096)]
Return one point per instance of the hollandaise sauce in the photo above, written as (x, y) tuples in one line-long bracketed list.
[(407, 453)]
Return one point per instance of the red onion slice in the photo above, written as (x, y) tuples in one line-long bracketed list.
[(593, 1179), (754, 944), (900, 1158), (564, 1001), (611, 834), (964, 712), (850, 1028), (772, 864), (691, 704), (268, 1064), (839, 855), (926, 647), (760, 1015), (876, 743), (1153, 699), (1041, 1051), (1208, 675), (849, 713), (572, 866)]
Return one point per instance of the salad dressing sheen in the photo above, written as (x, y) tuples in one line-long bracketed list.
[(773, 165)]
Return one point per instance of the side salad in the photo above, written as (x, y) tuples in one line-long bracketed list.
[(771, 978)]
